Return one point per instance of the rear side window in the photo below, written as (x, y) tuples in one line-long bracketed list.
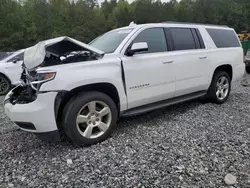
[(155, 38), (183, 39), (224, 38)]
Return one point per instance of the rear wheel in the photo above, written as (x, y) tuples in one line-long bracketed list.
[(5, 85), (220, 87), (248, 69), (89, 118)]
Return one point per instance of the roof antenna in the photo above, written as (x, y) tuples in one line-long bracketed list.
[(132, 23)]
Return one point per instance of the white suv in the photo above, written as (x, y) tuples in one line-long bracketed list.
[(82, 89)]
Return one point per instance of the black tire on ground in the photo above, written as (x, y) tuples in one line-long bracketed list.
[(5, 85), (75, 105), (211, 94), (248, 69)]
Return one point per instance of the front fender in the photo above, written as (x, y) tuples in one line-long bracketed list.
[(85, 74)]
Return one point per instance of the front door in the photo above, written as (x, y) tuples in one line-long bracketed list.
[(150, 75)]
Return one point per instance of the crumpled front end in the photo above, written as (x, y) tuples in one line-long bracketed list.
[(34, 110), (30, 109), (28, 90), (34, 114), (24, 93)]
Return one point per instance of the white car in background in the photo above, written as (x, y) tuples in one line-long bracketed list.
[(10, 71)]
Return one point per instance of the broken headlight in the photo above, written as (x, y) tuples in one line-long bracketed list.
[(45, 76), (40, 78)]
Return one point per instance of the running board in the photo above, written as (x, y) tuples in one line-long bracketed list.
[(162, 104)]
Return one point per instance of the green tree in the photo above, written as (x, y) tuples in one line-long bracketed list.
[(107, 7), (25, 22), (185, 11), (122, 14), (12, 25)]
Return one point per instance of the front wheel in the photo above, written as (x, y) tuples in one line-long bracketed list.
[(220, 87), (89, 118)]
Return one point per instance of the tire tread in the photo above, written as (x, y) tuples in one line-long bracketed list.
[(211, 95), (67, 117)]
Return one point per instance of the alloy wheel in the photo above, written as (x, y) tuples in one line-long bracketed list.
[(222, 88), (93, 119)]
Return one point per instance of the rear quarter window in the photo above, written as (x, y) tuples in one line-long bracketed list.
[(224, 38)]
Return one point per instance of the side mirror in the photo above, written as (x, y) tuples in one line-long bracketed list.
[(137, 47), (16, 59)]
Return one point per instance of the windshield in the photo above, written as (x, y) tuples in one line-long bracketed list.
[(108, 42)]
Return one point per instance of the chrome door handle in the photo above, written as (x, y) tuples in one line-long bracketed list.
[(203, 57), (167, 62)]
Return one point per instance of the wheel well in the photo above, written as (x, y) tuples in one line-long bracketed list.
[(63, 97), (5, 77), (226, 68)]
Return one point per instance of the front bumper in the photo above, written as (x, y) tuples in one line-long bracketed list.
[(37, 116)]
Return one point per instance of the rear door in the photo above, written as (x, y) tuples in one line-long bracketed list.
[(149, 75), (190, 59)]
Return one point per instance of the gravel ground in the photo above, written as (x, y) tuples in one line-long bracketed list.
[(5, 124), (189, 145)]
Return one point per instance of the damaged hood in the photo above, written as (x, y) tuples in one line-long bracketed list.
[(35, 55)]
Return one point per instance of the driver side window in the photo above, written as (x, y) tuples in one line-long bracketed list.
[(155, 38)]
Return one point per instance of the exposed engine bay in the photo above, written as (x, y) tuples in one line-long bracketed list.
[(52, 59), (67, 52), (22, 95)]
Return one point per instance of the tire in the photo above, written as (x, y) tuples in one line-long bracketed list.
[(218, 77), (81, 116), (248, 69), (5, 85)]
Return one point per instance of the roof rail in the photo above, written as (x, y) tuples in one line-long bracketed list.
[(190, 23)]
